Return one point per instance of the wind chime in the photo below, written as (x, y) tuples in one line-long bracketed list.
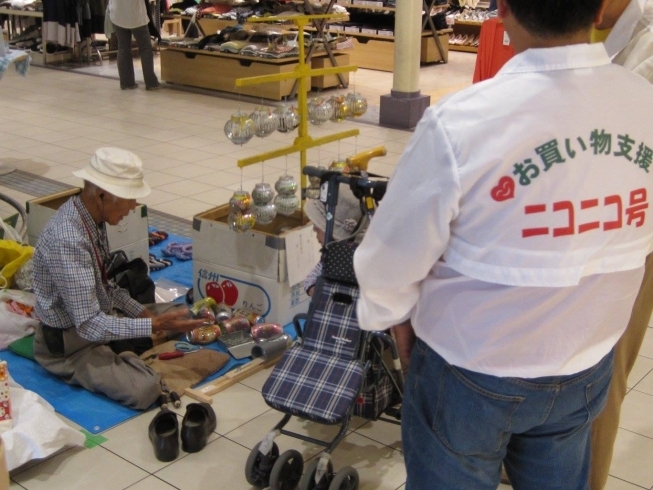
[(262, 206)]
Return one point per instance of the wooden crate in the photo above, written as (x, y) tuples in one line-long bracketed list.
[(326, 81), (430, 52), (219, 71)]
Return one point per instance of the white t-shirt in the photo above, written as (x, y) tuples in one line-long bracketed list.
[(515, 227), (128, 14), (636, 52)]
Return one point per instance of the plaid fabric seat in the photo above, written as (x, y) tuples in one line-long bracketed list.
[(332, 327), (320, 379), (314, 386)]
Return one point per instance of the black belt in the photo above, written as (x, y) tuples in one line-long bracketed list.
[(53, 338)]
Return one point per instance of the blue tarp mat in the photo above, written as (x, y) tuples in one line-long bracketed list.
[(92, 411)]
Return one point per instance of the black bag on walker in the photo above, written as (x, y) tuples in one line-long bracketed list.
[(338, 261)]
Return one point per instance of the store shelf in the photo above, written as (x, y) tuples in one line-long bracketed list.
[(468, 23), (466, 28), (15, 16), (377, 52), (466, 49), (218, 71), (365, 7)]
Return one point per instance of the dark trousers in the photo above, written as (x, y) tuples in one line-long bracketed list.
[(125, 59)]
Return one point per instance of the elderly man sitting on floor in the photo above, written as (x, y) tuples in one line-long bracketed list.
[(90, 327)]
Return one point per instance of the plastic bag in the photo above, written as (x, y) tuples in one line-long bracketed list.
[(12, 256), (37, 430), (17, 319), (167, 290)]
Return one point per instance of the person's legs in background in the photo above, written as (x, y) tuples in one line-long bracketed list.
[(604, 428), (125, 61), (144, 43), (458, 426)]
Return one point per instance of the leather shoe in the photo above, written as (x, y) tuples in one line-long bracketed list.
[(164, 435), (198, 423)]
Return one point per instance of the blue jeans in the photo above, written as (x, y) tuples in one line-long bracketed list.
[(459, 425)]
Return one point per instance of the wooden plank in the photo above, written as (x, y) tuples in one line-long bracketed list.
[(206, 392)]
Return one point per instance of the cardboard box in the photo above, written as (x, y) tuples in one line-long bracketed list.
[(130, 235), (261, 270)]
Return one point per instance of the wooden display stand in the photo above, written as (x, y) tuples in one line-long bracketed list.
[(378, 52), (467, 28), (212, 26), (430, 53), (208, 25), (375, 53), (327, 81), (219, 71)]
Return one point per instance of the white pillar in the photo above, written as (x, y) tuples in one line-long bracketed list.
[(404, 106), (408, 42)]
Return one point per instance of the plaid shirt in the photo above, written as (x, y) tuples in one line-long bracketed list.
[(68, 267)]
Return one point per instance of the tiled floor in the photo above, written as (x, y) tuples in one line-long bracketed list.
[(51, 122)]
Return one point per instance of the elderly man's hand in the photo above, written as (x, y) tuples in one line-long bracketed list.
[(177, 320)]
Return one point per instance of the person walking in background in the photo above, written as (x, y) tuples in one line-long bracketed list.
[(516, 258), (129, 17), (626, 28)]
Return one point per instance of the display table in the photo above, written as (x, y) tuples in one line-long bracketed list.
[(209, 25), (376, 52), (219, 71)]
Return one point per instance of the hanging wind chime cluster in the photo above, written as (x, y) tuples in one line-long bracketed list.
[(262, 206), (264, 121)]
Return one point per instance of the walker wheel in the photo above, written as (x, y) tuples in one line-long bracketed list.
[(287, 470), (308, 479), (345, 479), (258, 466)]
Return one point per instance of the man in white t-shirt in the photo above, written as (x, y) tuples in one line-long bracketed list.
[(513, 236), (627, 31)]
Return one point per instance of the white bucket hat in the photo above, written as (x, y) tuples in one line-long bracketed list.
[(117, 171)]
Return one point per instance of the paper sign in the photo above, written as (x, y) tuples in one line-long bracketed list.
[(302, 253)]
